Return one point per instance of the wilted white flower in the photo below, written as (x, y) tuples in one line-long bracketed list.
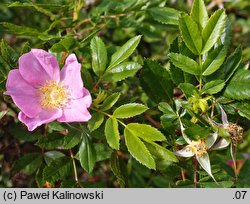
[(199, 150)]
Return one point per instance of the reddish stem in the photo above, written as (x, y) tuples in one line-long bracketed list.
[(154, 123), (195, 171)]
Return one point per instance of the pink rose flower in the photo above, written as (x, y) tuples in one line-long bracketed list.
[(45, 94)]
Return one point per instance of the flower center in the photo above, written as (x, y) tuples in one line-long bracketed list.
[(198, 147), (236, 133), (53, 95)]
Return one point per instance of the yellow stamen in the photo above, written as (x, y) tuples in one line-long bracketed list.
[(198, 147), (53, 95)]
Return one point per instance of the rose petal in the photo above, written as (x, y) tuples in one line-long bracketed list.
[(224, 117), (211, 139), (87, 99), (183, 134), (71, 77), (222, 143), (205, 164), (37, 66), (185, 152), (76, 111), (23, 94), (215, 123), (43, 117)]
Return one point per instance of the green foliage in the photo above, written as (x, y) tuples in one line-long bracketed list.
[(121, 71), (95, 121), (99, 56), (213, 87), (8, 54), (51, 142), (156, 81), (185, 63), (239, 86), (158, 84), (165, 15), (110, 101), (138, 149), (64, 45), (59, 168), (117, 168), (214, 60), (190, 33), (145, 132), (199, 13), (213, 30), (124, 52), (87, 154), (129, 110), (28, 164), (72, 139), (112, 133)]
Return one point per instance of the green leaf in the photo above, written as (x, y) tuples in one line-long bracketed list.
[(156, 81), (99, 55), (21, 30), (72, 139), (165, 15), (87, 154), (21, 133), (3, 113), (190, 33), (227, 34), (52, 155), (121, 71), (169, 114), (112, 133), (239, 86), (199, 13), (189, 90), (64, 45), (39, 176), (28, 163), (145, 132), (118, 168), (124, 52), (56, 126), (39, 7), (89, 37), (129, 110), (87, 78), (110, 101), (138, 149), (243, 109), (213, 87), (229, 67), (213, 30), (232, 63), (58, 169), (214, 60), (95, 121), (166, 108), (160, 153), (244, 175), (8, 54), (185, 63), (4, 70), (196, 132), (51, 141), (103, 152)]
